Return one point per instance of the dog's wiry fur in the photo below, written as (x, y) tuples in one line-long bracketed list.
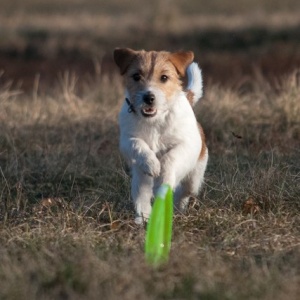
[(159, 135)]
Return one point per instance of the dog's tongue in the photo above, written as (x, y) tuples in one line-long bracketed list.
[(149, 110)]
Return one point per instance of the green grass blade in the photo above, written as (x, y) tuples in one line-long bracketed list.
[(159, 228)]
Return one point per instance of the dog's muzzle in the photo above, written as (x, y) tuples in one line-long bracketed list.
[(148, 110)]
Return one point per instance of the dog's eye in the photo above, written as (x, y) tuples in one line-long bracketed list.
[(136, 77), (164, 78)]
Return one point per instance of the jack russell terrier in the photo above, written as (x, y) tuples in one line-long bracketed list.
[(160, 138)]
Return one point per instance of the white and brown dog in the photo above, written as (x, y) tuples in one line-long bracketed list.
[(159, 135)]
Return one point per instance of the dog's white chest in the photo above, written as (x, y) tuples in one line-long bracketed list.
[(159, 142)]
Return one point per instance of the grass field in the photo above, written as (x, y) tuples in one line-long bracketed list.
[(66, 218)]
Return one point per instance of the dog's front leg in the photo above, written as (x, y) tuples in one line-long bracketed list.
[(145, 166), (141, 193), (138, 152)]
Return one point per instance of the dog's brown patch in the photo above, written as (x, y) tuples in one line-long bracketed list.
[(203, 149), (181, 60), (190, 96), (123, 58)]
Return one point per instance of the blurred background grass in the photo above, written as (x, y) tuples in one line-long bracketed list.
[(230, 39)]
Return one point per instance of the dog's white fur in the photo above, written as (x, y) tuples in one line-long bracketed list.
[(164, 148)]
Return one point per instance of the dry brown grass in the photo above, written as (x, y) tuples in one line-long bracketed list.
[(66, 220), (66, 228)]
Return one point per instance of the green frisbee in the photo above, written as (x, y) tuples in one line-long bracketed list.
[(159, 227)]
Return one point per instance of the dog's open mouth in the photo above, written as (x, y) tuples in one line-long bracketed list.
[(149, 111)]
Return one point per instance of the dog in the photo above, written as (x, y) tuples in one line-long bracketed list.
[(160, 138)]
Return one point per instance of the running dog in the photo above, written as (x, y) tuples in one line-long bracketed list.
[(160, 138)]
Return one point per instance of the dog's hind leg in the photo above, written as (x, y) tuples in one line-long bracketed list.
[(190, 186)]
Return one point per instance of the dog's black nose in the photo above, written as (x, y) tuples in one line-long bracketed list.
[(149, 98)]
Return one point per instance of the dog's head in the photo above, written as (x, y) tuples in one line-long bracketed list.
[(152, 78)]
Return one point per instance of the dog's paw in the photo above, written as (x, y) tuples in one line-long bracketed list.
[(143, 210), (151, 167), (141, 219), (138, 220)]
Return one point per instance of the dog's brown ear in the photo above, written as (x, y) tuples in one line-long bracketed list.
[(123, 57), (181, 60)]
